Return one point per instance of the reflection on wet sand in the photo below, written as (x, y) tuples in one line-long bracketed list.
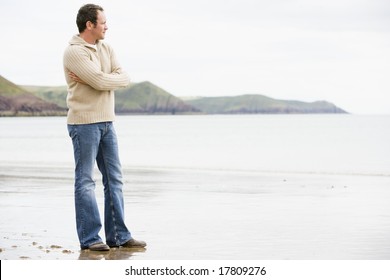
[(113, 254)]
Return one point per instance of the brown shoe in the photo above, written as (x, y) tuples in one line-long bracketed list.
[(132, 243), (99, 247)]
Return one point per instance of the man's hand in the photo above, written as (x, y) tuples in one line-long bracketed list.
[(76, 78)]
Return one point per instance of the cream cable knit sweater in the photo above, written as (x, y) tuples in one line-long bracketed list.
[(97, 66)]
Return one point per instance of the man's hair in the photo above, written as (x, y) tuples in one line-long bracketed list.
[(87, 13)]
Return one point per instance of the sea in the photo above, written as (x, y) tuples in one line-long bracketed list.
[(325, 144)]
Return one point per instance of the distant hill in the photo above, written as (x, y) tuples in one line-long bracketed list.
[(138, 98), (260, 104), (56, 95), (147, 98), (16, 101)]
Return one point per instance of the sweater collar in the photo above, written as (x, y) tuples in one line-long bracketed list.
[(77, 40)]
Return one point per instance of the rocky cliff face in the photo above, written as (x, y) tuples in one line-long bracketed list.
[(15, 101), (27, 104), (147, 98)]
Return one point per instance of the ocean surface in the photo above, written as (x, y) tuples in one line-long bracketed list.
[(329, 144), (209, 187)]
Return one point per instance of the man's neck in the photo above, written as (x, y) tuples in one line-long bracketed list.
[(88, 38)]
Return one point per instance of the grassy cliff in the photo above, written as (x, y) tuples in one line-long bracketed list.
[(139, 98), (260, 104), (147, 98), (56, 95), (17, 101)]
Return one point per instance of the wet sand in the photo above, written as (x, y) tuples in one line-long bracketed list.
[(188, 214)]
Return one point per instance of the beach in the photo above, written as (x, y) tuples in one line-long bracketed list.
[(274, 187), (203, 214)]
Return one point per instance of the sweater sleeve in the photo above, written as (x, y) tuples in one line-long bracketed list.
[(77, 60)]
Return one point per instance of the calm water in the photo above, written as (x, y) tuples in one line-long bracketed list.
[(340, 144), (210, 187)]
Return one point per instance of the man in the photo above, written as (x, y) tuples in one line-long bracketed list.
[(92, 73)]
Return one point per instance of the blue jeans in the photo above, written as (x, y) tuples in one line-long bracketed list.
[(98, 142)]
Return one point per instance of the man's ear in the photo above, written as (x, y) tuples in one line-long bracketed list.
[(90, 25)]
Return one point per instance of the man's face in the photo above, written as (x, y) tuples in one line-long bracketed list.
[(99, 30)]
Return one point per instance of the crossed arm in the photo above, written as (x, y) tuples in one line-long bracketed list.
[(76, 78), (82, 70)]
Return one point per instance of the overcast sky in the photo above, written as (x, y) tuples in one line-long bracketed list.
[(308, 50)]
